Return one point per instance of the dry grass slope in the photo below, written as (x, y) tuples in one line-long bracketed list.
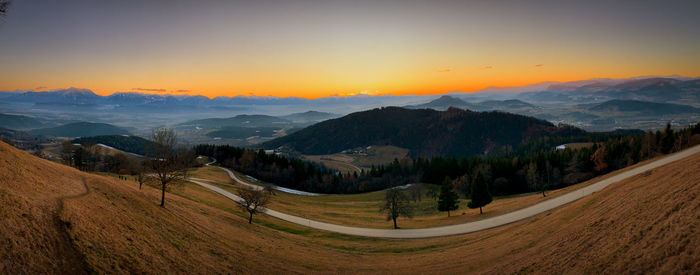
[(32, 237), (646, 224)]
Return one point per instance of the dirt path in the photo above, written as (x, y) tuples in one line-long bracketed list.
[(73, 259), (469, 227)]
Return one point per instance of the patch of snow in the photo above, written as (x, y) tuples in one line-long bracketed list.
[(296, 192)]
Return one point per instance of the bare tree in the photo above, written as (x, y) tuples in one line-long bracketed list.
[(140, 171), (186, 159), (269, 188), (254, 200), (164, 160), (416, 191), (396, 204), (67, 149)]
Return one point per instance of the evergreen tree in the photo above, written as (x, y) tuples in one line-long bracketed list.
[(480, 193), (667, 139), (448, 200)]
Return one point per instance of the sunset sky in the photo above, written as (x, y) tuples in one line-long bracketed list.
[(321, 48)]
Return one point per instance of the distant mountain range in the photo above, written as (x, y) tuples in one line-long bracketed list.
[(80, 129), (659, 89), (85, 97), (425, 132), (559, 102), (664, 90)]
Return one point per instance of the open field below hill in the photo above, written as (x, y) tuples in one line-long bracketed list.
[(645, 224), (363, 159), (362, 210)]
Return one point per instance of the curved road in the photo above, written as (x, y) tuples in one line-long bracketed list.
[(280, 188), (464, 227)]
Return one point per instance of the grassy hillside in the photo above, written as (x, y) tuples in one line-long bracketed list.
[(81, 129), (424, 132), (56, 219)]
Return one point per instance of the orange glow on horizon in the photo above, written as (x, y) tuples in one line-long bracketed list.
[(319, 92)]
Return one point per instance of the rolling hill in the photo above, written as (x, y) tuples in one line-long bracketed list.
[(443, 103), (505, 104), (309, 117), (19, 122), (644, 107), (130, 144), (425, 132), (56, 219), (81, 129)]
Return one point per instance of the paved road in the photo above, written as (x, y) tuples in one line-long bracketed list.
[(279, 188), (469, 227)]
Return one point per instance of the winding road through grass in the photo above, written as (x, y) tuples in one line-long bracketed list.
[(463, 228)]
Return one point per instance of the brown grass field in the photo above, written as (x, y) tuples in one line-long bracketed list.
[(340, 162), (347, 163), (646, 224)]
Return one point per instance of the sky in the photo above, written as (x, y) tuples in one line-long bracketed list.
[(314, 49)]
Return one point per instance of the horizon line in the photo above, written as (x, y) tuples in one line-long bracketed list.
[(361, 93)]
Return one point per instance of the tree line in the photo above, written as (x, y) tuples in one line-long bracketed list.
[(536, 167)]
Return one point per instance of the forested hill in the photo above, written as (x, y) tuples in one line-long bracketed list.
[(425, 132), (131, 144)]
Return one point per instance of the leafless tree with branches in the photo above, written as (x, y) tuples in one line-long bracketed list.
[(165, 162), (254, 200), (396, 204)]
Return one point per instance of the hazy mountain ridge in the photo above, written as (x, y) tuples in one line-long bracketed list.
[(19, 122), (85, 96), (309, 116), (646, 107), (663, 90), (556, 102), (445, 102)]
